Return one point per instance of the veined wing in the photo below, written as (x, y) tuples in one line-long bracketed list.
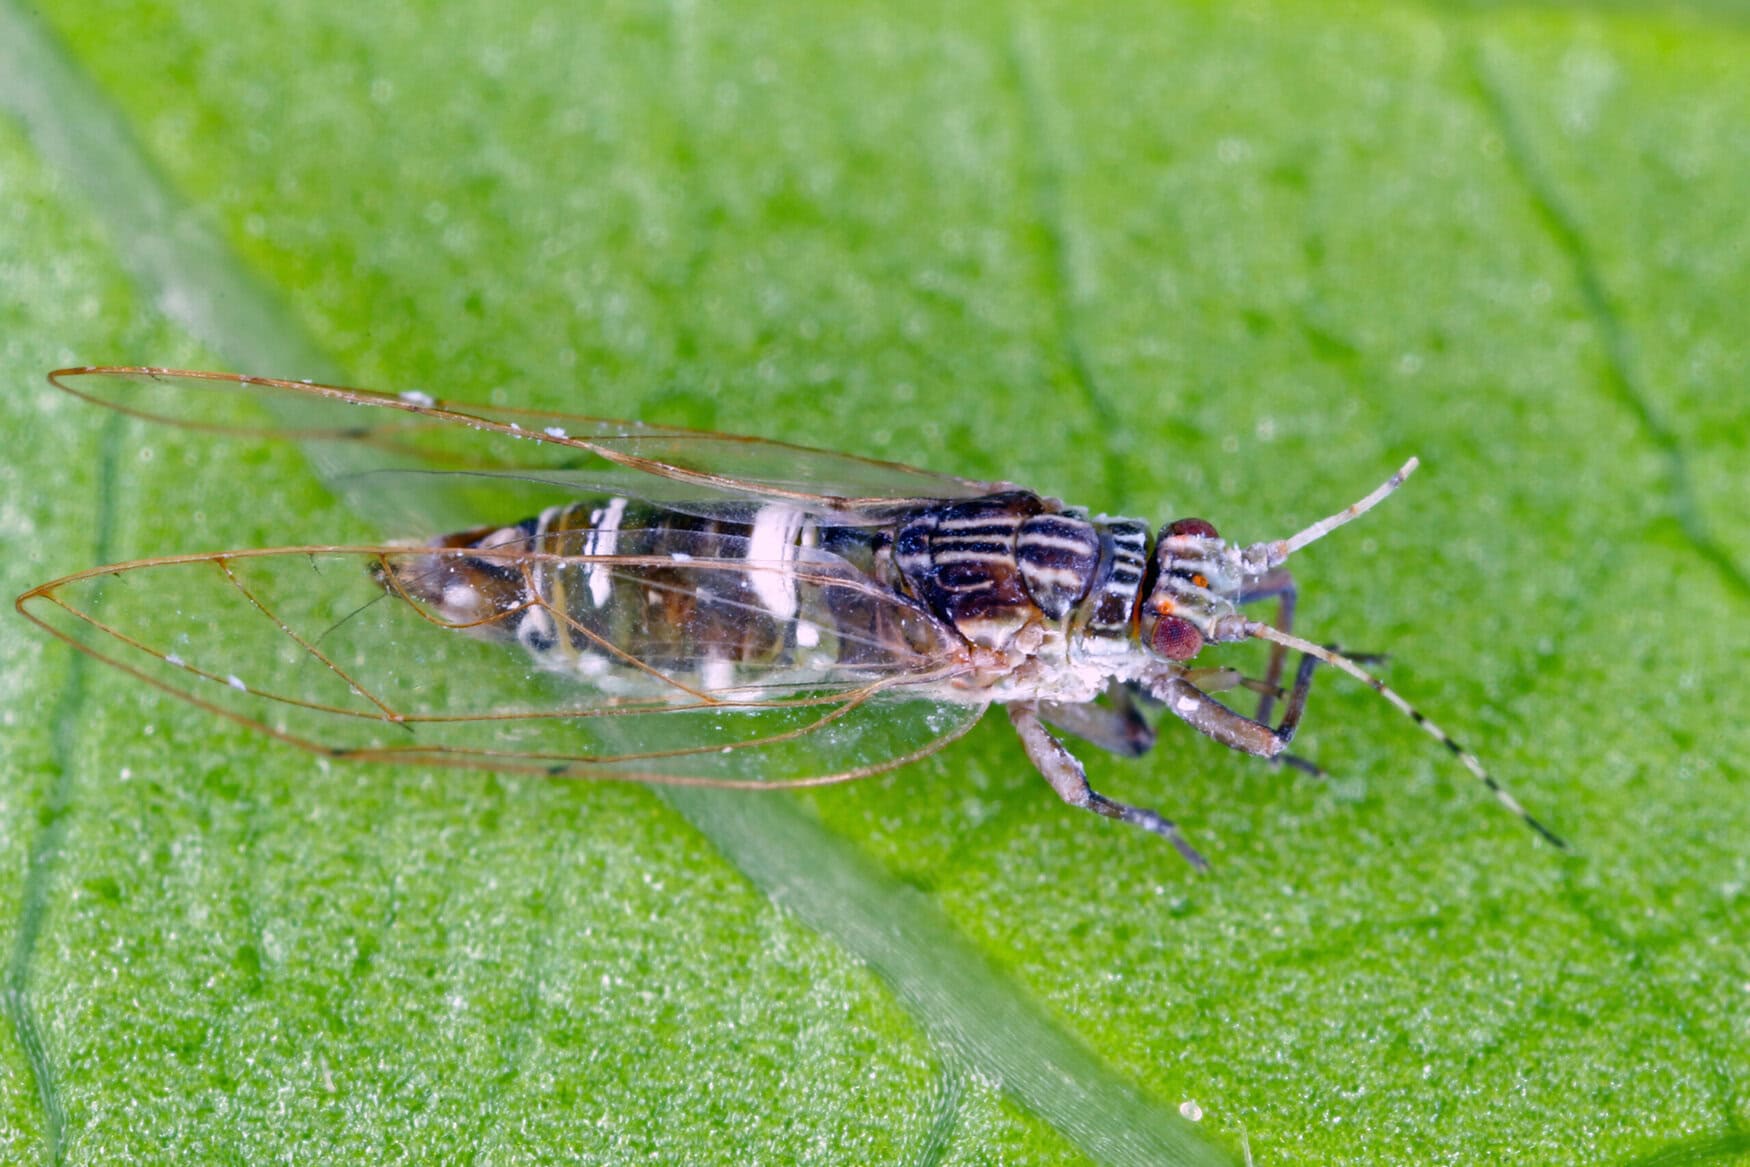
[(328, 648), (356, 434)]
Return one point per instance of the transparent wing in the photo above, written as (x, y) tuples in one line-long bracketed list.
[(673, 613), (318, 647), (392, 454)]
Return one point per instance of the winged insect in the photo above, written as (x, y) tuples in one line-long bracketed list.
[(608, 599)]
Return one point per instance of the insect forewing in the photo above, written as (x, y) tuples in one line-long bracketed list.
[(389, 453), (313, 646)]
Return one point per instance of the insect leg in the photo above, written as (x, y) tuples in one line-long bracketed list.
[(1067, 777), (1278, 584), (1210, 680), (1219, 679), (1117, 727), (1235, 730)]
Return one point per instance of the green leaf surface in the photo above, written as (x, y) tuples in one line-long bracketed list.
[(1234, 261)]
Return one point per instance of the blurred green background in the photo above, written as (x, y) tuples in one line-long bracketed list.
[(1232, 260)]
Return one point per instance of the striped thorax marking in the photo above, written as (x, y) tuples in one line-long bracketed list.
[(960, 560), (991, 566), (1112, 605), (1058, 556)]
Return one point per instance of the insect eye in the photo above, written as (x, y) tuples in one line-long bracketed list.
[(1201, 527), (1176, 638)]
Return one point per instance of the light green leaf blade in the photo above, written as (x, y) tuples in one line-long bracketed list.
[(1161, 262)]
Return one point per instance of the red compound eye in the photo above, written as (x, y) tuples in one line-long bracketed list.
[(1176, 638), (1193, 527)]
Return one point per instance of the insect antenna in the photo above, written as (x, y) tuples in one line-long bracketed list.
[(1338, 660), (1283, 548)]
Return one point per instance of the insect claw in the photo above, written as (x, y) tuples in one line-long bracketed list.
[(1157, 824), (1190, 853), (1304, 765)]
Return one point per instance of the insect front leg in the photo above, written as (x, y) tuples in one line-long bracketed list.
[(1067, 777), (1235, 730), (1277, 584), (1117, 727)]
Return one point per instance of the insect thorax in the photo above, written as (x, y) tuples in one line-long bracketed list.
[(1008, 567)]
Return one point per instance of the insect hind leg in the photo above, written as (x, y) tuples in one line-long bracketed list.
[(1067, 777)]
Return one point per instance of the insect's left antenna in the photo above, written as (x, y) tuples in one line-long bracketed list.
[(1338, 660), (1353, 511), (1258, 558)]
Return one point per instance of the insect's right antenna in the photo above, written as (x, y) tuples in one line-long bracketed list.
[(1338, 660)]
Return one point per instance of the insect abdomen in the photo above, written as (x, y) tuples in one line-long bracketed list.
[(769, 598)]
